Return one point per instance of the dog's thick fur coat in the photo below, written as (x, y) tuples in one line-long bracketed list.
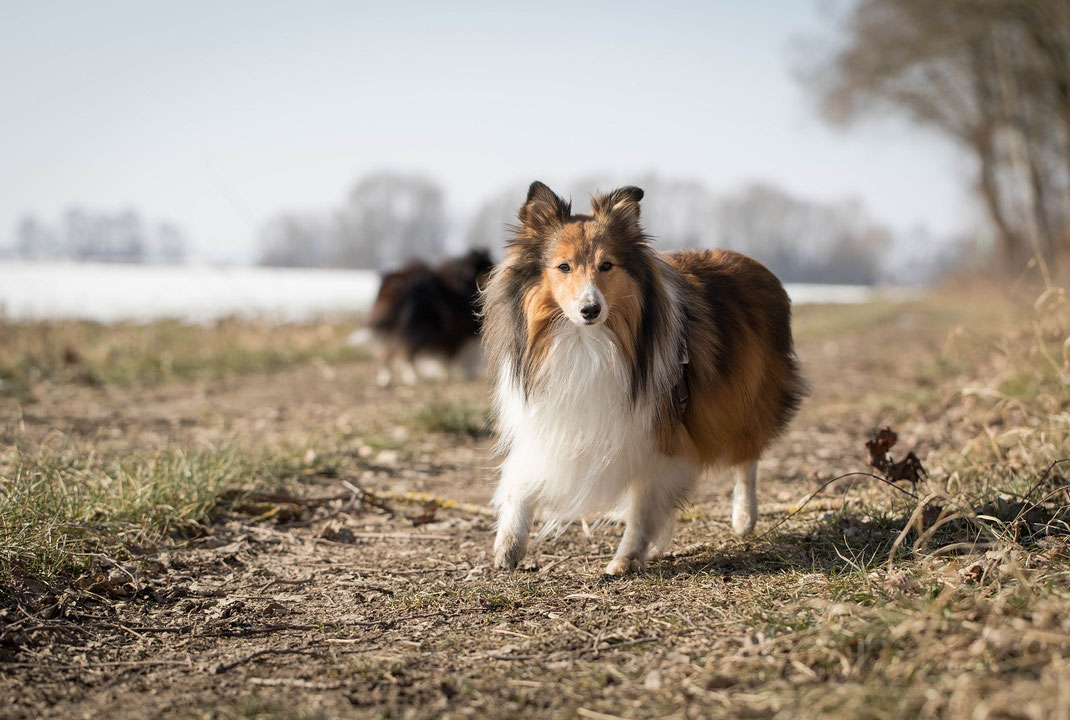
[(621, 373)]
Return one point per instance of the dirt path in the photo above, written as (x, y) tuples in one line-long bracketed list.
[(369, 609)]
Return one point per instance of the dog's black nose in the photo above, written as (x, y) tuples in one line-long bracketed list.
[(590, 312)]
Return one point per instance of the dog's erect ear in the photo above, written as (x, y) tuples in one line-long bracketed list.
[(543, 208), (619, 206)]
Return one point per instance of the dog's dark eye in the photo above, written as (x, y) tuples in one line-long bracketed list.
[(605, 266), (564, 267)]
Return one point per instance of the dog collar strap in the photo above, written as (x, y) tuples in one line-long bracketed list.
[(682, 392)]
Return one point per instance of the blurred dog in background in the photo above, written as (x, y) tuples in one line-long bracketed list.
[(425, 319)]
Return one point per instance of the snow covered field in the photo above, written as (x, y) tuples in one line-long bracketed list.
[(109, 293)]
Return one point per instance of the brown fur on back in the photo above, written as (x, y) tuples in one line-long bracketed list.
[(742, 375)]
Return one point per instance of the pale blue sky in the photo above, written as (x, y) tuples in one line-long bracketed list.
[(219, 114)]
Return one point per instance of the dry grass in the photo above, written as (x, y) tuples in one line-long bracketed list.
[(957, 605), (866, 603), (60, 508), (91, 353)]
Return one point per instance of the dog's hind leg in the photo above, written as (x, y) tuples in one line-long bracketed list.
[(660, 544), (433, 368), (407, 370), (651, 514), (745, 498), (385, 376)]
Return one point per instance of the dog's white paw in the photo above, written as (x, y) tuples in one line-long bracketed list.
[(743, 522), (655, 553), (508, 554), (624, 565), (408, 374)]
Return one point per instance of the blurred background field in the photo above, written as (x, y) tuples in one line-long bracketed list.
[(109, 293)]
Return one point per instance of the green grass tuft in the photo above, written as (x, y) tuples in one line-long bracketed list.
[(456, 418), (56, 508)]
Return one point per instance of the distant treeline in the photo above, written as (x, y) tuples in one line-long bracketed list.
[(386, 219), (84, 235), (389, 218)]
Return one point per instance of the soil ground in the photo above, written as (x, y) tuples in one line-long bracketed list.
[(346, 595)]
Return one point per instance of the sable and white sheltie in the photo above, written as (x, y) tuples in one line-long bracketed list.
[(622, 373)]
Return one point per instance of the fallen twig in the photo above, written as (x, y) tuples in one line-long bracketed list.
[(91, 665), (828, 482), (312, 521), (294, 683), (420, 498), (368, 497), (1044, 477), (402, 536)]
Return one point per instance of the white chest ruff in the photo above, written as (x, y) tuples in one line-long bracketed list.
[(578, 442)]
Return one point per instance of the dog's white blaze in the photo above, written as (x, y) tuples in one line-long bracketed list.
[(591, 295), (576, 444)]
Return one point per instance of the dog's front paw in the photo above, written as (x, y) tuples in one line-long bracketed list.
[(408, 374), (624, 565), (654, 554), (743, 521), (507, 555)]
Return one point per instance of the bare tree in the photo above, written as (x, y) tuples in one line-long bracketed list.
[(803, 241), (125, 237), (102, 236), (494, 220), (34, 240), (170, 246), (107, 237), (291, 240), (993, 75), (389, 218), (679, 213)]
